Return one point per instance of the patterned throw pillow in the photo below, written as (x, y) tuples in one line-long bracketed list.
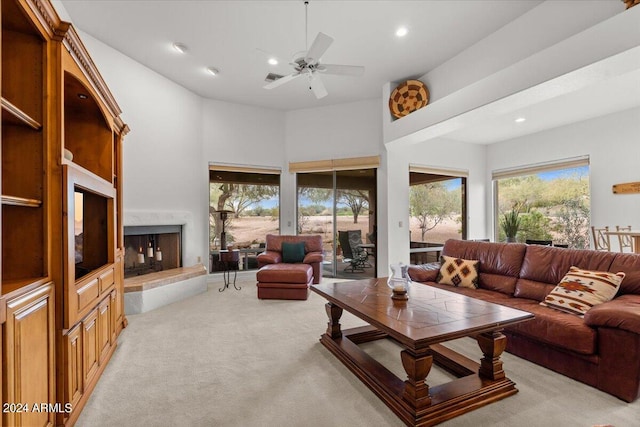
[(579, 290), (458, 272)]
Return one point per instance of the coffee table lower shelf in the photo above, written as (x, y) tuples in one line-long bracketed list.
[(470, 391)]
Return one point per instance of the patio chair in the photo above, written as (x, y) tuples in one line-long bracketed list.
[(625, 241), (601, 240), (352, 252)]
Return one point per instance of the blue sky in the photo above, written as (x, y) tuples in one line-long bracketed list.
[(563, 173)]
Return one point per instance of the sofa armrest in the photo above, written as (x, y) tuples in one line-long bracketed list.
[(312, 257), (424, 272), (622, 312), (270, 257)]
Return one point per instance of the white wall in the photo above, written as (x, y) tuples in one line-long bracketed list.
[(243, 135), (163, 176), (613, 145), (334, 132)]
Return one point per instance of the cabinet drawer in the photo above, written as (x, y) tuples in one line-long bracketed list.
[(88, 294), (106, 280)]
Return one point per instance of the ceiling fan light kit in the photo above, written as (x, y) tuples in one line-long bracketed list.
[(308, 64)]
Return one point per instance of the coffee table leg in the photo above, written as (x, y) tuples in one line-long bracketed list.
[(492, 345), (333, 327), (417, 367)]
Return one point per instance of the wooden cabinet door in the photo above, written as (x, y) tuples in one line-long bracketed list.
[(104, 328), (90, 349), (73, 357), (29, 356), (114, 315)]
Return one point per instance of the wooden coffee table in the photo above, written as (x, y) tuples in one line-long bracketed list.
[(430, 316)]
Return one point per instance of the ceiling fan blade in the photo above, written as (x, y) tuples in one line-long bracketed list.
[(343, 70), (317, 87), (318, 48), (281, 81)]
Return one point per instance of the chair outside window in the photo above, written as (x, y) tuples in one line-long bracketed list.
[(601, 240), (352, 252), (625, 241)]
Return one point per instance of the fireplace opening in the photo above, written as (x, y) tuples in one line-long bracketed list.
[(149, 249)]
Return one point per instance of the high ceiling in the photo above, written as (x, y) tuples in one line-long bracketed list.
[(237, 37)]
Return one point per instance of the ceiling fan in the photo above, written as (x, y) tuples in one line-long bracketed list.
[(307, 64)]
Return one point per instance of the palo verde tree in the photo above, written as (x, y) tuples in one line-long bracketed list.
[(432, 203), (236, 198), (357, 200)]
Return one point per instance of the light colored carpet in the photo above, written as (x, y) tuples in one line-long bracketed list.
[(229, 359)]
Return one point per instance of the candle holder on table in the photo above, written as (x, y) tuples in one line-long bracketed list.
[(399, 282)]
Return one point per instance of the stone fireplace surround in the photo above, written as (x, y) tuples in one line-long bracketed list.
[(145, 293)]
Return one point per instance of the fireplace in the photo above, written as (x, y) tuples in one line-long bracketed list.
[(149, 249)]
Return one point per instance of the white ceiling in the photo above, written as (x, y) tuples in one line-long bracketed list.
[(237, 37), (233, 36)]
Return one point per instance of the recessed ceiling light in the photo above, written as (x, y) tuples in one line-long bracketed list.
[(402, 31), (180, 47), (520, 120), (272, 61), (83, 96), (213, 71)]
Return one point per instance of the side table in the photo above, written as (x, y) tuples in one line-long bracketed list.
[(230, 261)]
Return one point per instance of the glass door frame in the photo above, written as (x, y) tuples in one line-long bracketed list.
[(333, 270)]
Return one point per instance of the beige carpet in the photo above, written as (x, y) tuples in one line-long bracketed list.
[(229, 359)]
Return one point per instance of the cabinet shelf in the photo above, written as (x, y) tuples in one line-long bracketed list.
[(14, 115), (21, 201), (22, 285)]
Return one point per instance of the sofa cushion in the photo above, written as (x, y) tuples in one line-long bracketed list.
[(549, 265), (292, 252), (554, 327), (458, 272), (531, 289), (550, 326), (424, 272), (500, 263), (630, 264), (579, 290)]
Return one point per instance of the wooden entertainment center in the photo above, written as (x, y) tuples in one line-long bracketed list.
[(61, 299)]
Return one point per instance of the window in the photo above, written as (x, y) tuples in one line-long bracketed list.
[(437, 209), (548, 202), (253, 198)]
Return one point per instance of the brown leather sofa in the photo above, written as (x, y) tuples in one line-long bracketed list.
[(601, 350), (312, 249)]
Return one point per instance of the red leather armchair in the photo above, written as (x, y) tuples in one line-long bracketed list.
[(312, 249)]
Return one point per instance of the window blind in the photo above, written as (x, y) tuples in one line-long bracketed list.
[(540, 167), (335, 164)]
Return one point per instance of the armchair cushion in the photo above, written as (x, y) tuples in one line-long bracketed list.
[(270, 257), (313, 257), (292, 252)]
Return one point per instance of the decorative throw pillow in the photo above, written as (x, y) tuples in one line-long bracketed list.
[(458, 272), (579, 290), (292, 252)]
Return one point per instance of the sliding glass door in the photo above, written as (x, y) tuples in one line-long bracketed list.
[(341, 206)]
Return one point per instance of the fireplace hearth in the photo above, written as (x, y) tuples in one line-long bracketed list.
[(152, 248)]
